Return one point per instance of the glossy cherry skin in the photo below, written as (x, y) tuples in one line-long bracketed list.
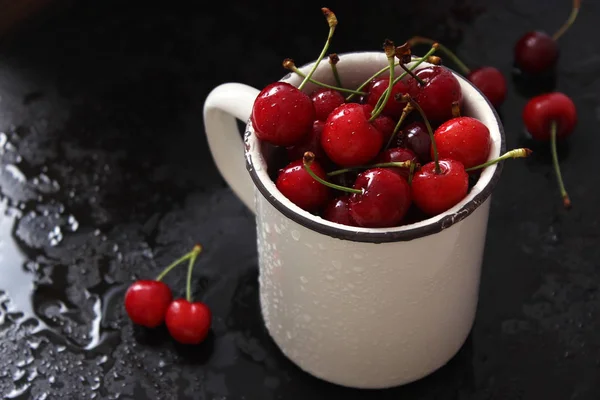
[(188, 323), (348, 138), (438, 93), (385, 125), (338, 211), (397, 154), (300, 188), (282, 115), (540, 111), (311, 143), (435, 193), (325, 101), (463, 139), (416, 138), (146, 302), (392, 108), (384, 201), (536, 52), (491, 82)]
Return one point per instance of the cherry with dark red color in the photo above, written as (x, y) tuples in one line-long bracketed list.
[(325, 101), (463, 139), (540, 111), (397, 154), (187, 322), (296, 184), (146, 302), (491, 82), (416, 138), (338, 211), (536, 52), (434, 192), (282, 115), (384, 201), (311, 143), (377, 89), (348, 138), (440, 90), (385, 125)]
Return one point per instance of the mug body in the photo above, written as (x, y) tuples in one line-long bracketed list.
[(370, 308)]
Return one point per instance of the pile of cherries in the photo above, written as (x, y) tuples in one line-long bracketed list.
[(149, 303)]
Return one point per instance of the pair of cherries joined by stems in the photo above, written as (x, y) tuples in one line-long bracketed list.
[(149, 303), (325, 130)]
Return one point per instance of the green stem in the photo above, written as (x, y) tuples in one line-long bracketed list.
[(386, 96), (333, 60), (188, 286), (569, 21), (417, 63), (391, 164), (408, 71), (411, 173), (561, 185), (516, 153), (173, 265), (332, 21), (407, 109), (308, 158), (430, 131), (451, 55), (295, 69)]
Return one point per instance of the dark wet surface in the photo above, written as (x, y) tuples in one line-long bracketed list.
[(105, 176)]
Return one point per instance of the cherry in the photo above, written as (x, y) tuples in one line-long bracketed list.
[(187, 322), (384, 199), (300, 188), (464, 139), (338, 211), (491, 82), (325, 101), (435, 192), (536, 52), (380, 85), (385, 125), (146, 302), (551, 116), (440, 91), (416, 138), (311, 143), (349, 139), (397, 154)]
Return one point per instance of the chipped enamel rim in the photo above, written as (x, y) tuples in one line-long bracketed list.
[(354, 68)]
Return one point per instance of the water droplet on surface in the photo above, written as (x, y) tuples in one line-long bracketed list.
[(295, 235), (303, 279), (329, 277)]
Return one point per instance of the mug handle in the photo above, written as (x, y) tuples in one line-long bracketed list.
[(222, 106)]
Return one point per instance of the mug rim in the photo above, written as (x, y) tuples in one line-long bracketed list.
[(399, 233)]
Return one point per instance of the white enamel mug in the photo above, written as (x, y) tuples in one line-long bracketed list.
[(358, 307)]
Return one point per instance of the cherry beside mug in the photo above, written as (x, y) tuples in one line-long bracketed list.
[(358, 307)]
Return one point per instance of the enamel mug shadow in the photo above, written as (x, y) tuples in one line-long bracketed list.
[(358, 307)]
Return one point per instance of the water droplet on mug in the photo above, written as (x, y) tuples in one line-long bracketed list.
[(296, 235)]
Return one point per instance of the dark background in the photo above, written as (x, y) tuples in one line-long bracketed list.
[(106, 176)]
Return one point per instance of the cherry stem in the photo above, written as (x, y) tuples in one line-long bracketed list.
[(188, 287), (411, 172), (289, 64), (407, 110), (333, 60), (391, 54), (423, 40), (416, 105), (307, 160), (332, 21), (561, 185), (569, 21), (421, 81), (196, 250), (392, 164), (418, 62), (455, 109), (516, 153)]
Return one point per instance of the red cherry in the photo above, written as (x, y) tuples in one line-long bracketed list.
[(385, 125), (536, 52), (349, 139), (397, 154), (146, 302), (188, 323), (384, 200), (325, 101), (491, 82), (300, 188), (416, 138), (377, 89), (282, 115), (312, 143), (435, 193), (338, 211), (463, 139), (439, 91), (540, 111)]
